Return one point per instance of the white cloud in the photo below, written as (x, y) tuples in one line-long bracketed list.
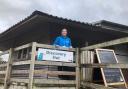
[(12, 12)]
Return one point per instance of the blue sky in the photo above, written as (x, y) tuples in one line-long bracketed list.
[(13, 11)]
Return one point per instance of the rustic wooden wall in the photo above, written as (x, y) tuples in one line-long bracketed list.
[(87, 57)]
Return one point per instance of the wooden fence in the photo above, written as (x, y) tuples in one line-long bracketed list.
[(24, 68)]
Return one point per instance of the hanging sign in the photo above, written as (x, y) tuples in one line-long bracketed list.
[(54, 55)]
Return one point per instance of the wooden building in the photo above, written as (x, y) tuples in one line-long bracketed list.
[(43, 28), (40, 30)]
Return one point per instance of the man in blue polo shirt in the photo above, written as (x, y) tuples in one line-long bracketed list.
[(63, 40)]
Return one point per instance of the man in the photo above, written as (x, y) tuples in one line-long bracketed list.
[(63, 40)]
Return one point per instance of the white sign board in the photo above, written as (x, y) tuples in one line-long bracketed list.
[(54, 55)]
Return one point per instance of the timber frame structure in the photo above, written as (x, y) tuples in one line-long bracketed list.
[(25, 72), (8, 70), (78, 83)]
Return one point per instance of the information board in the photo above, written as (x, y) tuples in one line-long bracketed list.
[(54, 55), (110, 75)]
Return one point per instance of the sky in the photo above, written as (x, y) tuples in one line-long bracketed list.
[(13, 11)]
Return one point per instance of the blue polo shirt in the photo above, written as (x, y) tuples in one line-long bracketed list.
[(63, 41)]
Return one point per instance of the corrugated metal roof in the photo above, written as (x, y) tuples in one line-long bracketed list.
[(60, 18), (44, 14), (112, 25)]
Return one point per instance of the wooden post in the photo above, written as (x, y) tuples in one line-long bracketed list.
[(32, 64), (77, 69), (8, 70)]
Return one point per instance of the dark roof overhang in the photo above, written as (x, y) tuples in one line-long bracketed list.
[(37, 17)]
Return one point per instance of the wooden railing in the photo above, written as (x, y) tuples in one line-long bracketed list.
[(26, 69), (3, 67)]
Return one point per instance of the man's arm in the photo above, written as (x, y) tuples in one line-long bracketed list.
[(56, 42)]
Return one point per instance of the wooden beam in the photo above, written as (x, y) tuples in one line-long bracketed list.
[(53, 63), (45, 81), (55, 48), (3, 65), (20, 71), (19, 80), (96, 65), (21, 62), (55, 82), (116, 84), (8, 70), (77, 69), (41, 72), (32, 64), (106, 44), (2, 72), (23, 47)]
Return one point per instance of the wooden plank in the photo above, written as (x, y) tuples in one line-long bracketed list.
[(2, 72), (90, 69), (20, 71), (106, 44), (44, 72), (87, 59), (54, 48), (21, 57), (32, 64), (116, 84), (54, 72), (85, 69), (3, 65), (23, 47), (104, 65), (19, 80), (52, 63), (8, 70), (92, 61), (82, 62), (77, 69), (21, 62), (56, 82), (27, 53), (69, 64)]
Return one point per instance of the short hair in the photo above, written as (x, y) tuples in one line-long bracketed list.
[(64, 29)]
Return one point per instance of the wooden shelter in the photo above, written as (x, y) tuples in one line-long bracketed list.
[(39, 30), (43, 28)]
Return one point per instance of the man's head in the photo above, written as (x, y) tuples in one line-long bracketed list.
[(64, 32)]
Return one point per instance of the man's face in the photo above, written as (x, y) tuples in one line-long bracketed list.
[(64, 32)]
